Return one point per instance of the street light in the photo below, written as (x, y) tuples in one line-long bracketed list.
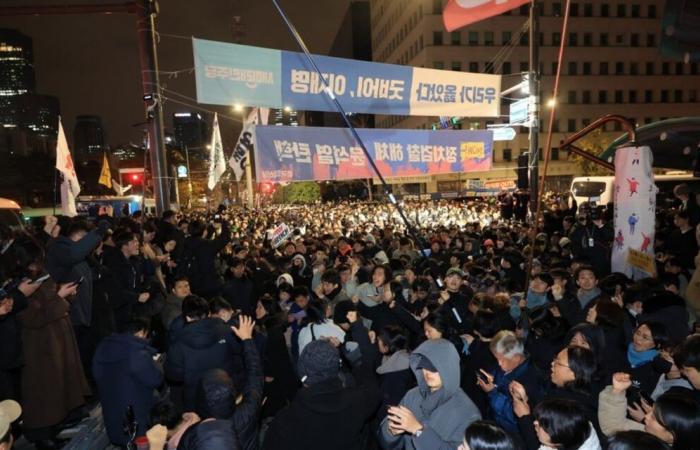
[(551, 102), (238, 107)]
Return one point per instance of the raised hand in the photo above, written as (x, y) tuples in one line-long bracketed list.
[(245, 328), (621, 382)]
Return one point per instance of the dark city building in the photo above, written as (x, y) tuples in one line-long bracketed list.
[(16, 72), (28, 121), (16, 63), (38, 113), (285, 116), (88, 138), (191, 130)]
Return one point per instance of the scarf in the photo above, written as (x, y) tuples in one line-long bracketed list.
[(637, 359), (585, 297), (534, 299)]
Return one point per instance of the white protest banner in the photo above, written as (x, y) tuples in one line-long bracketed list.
[(244, 145), (635, 212), (280, 234)]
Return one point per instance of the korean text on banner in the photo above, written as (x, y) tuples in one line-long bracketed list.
[(280, 234), (311, 153), (231, 73), (460, 13), (635, 213)]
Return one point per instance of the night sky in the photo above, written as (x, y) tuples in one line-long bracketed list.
[(90, 62)]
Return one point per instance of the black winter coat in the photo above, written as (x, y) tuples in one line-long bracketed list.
[(241, 430), (239, 293), (200, 346), (123, 286), (197, 262), (327, 415), (210, 435), (125, 374), (277, 366)]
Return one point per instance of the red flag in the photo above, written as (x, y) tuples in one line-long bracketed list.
[(460, 13)]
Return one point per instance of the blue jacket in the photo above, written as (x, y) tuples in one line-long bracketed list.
[(500, 401), (126, 374), (200, 346)]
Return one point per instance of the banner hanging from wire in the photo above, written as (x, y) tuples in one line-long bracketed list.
[(320, 153), (228, 74)]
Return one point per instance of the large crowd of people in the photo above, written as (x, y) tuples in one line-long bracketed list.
[(336, 326)]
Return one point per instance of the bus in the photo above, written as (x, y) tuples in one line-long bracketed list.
[(600, 189), (10, 213)]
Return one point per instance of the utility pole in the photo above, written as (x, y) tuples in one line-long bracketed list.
[(250, 196), (534, 101), (189, 177), (145, 19)]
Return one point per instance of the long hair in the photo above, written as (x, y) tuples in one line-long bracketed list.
[(565, 422), (680, 415)]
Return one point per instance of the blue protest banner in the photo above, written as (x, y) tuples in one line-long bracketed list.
[(312, 153), (253, 76)]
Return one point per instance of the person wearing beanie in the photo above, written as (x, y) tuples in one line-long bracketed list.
[(229, 413), (434, 414), (327, 413)]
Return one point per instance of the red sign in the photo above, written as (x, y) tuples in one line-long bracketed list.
[(460, 13)]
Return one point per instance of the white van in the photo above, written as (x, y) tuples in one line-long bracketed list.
[(600, 189), (10, 213)]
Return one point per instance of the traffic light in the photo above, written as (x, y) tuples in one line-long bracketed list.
[(266, 188)]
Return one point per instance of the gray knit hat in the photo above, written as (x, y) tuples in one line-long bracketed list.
[(319, 361)]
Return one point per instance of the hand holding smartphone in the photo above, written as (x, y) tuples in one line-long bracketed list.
[(41, 279)]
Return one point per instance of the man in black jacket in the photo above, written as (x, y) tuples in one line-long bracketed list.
[(198, 258), (204, 343), (126, 291), (238, 289), (230, 418), (326, 414), (126, 375), (66, 261)]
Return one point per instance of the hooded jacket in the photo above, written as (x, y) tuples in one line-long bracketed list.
[(445, 413), (395, 379), (200, 346), (125, 374)]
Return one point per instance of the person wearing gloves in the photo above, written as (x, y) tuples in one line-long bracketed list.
[(435, 414)]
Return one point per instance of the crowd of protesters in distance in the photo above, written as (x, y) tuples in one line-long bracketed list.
[(355, 332)]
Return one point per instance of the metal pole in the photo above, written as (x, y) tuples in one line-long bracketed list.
[(369, 189), (534, 88), (250, 198), (189, 177), (146, 14)]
